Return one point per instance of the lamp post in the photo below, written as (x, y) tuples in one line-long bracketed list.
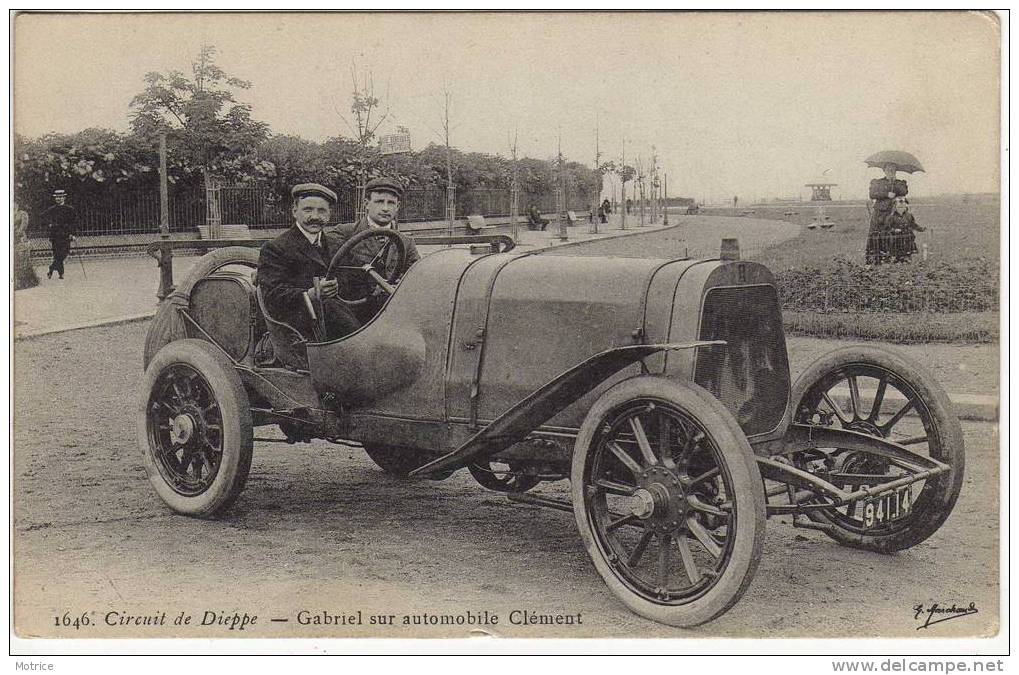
[(665, 217), (165, 252)]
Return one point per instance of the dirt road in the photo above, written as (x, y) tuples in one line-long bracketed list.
[(321, 532)]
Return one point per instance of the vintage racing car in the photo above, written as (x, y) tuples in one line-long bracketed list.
[(659, 387)]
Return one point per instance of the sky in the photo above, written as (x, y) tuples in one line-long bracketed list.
[(742, 104)]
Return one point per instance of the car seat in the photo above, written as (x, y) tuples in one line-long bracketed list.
[(288, 344)]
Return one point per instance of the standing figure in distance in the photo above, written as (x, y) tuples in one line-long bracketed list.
[(900, 226), (61, 221), (24, 274), (883, 191)]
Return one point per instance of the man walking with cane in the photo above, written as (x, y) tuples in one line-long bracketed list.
[(60, 220)]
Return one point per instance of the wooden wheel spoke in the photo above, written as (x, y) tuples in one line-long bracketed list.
[(664, 446), (625, 458), (638, 551), (836, 409), (206, 464), (615, 488), (689, 564), (913, 440), (188, 464), (854, 396), (169, 408), (887, 426), (617, 523), (704, 537), (707, 475), (664, 559), (642, 441), (696, 504), (879, 398)]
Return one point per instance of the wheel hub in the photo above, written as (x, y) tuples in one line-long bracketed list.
[(182, 429), (643, 504), (861, 462), (660, 499)]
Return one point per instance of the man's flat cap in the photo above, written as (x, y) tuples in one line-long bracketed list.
[(312, 190), (383, 185)]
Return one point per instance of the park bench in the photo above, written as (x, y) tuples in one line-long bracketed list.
[(573, 218), (476, 224)]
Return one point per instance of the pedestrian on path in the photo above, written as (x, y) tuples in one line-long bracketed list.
[(61, 222)]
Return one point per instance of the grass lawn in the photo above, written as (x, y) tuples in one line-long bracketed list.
[(957, 228)]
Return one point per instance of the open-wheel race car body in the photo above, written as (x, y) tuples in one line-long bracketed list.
[(660, 388)]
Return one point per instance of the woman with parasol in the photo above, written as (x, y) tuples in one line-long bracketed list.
[(884, 191)]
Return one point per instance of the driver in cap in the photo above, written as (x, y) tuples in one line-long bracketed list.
[(288, 264)]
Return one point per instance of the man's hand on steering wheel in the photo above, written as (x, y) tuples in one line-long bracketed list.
[(329, 288)]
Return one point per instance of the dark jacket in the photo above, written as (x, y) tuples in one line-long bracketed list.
[(356, 284), (901, 221), (899, 237), (286, 266), (879, 189), (60, 221), (364, 254)]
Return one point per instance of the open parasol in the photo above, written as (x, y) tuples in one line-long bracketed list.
[(902, 161)]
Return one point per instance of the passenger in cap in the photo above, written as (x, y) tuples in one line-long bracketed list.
[(381, 206), (288, 264)]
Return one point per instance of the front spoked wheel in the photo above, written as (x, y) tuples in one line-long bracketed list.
[(880, 393), (194, 428), (669, 500)]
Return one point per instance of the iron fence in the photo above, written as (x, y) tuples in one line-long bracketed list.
[(131, 213), (262, 207)]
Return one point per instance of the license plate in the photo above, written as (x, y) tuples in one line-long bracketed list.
[(888, 507)]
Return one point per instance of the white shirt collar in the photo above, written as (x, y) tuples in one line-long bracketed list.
[(313, 239)]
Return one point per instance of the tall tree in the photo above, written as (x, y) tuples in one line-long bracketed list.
[(212, 132), (366, 116)]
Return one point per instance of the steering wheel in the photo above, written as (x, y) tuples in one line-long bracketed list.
[(367, 257)]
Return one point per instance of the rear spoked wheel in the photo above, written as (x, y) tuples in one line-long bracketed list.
[(669, 500)]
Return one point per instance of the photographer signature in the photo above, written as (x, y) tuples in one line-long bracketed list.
[(942, 612)]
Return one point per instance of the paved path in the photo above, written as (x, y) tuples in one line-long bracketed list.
[(109, 290)]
